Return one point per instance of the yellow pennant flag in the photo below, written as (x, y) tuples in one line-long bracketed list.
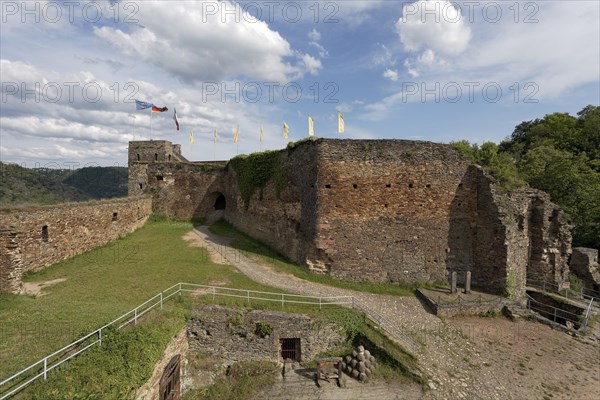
[(261, 134), (286, 130), (311, 126), (236, 136), (341, 127), (215, 136), (191, 137)]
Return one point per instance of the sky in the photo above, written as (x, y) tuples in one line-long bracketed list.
[(421, 70)]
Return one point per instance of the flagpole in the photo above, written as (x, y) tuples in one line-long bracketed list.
[(133, 133), (151, 119)]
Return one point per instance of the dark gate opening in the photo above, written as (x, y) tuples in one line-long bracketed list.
[(220, 203), (170, 381), (290, 349)]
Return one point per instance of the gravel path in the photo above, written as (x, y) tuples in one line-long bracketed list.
[(453, 365)]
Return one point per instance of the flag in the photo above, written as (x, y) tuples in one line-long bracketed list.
[(142, 105), (286, 130), (159, 109), (215, 136), (175, 118), (236, 136), (191, 137), (341, 127), (311, 126), (261, 134)]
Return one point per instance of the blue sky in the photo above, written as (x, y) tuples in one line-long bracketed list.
[(424, 70)]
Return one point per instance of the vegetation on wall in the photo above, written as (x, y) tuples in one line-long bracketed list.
[(254, 171), (559, 154)]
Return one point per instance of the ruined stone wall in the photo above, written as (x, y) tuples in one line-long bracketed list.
[(34, 238), (392, 211), (185, 191), (584, 264), (284, 221), (376, 210), (519, 235), (230, 333)]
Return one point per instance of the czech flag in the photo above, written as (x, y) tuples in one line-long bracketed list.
[(175, 118), (159, 109)]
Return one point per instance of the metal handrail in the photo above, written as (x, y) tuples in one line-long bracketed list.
[(558, 312), (133, 315)]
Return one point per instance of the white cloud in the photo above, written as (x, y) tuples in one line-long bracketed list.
[(383, 57), (445, 32), (314, 35), (427, 58), (390, 74), (197, 46), (311, 64), (323, 53)]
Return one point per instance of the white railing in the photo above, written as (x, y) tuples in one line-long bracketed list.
[(23, 378)]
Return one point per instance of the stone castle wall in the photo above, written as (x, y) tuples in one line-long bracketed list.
[(34, 238), (377, 210)]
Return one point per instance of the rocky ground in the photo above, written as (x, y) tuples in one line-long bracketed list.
[(462, 358)]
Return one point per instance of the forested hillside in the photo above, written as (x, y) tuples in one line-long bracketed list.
[(559, 154), (42, 186)]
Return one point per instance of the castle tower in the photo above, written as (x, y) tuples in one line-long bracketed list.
[(143, 153)]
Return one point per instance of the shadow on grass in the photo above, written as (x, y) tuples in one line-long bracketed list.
[(256, 249)]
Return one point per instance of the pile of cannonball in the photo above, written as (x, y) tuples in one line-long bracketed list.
[(360, 364)]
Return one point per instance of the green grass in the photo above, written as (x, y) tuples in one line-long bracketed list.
[(261, 252), (111, 280), (242, 382), (101, 285)]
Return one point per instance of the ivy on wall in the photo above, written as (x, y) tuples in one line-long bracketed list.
[(254, 171)]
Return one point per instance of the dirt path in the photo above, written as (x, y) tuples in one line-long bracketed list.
[(458, 365), (36, 289)]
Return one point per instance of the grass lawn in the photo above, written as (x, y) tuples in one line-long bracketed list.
[(261, 252), (104, 283), (101, 285)]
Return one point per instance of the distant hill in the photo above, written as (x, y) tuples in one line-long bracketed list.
[(21, 187)]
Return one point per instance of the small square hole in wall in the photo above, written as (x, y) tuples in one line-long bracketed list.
[(115, 216), (428, 186), (155, 156), (45, 233), (141, 186), (354, 186), (385, 205), (327, 186), (389, 185), (138, 156), (159, 178), (410, 185)]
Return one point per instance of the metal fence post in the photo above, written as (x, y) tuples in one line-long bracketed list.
[(135, 316), (100, 336), (282, 299), (214, 292), (45, 368), (554, 314), (179, 288), (319, 303), (248, 296), (161, 300)]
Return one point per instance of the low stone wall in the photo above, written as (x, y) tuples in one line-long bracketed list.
[(230, 333), (177, 346), (466, 308), (34, 238)]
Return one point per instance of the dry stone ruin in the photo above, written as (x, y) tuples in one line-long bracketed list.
[(368, 210)]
